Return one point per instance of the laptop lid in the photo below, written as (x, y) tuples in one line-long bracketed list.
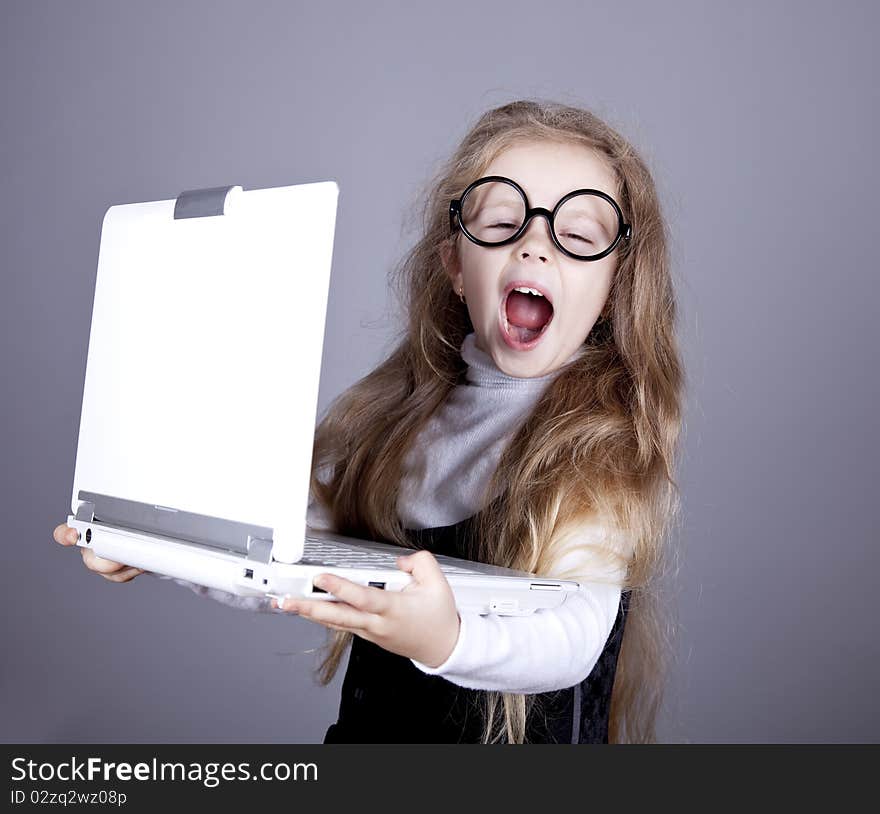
[(204, 359)]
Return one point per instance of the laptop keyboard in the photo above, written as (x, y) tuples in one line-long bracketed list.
[(324, 552)]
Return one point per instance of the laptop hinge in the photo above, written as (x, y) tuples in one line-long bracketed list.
[(259, 550), (202, 203), (86, 511), (214, 532)]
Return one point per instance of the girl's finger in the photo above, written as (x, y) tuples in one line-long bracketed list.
[(95, 563), (332, 613), (125, 575), (367, 599), (65, 535), (422, 565)]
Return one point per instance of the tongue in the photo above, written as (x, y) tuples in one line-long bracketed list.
[(528, 311)]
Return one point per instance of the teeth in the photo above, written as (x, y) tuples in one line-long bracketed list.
[(527, 290)]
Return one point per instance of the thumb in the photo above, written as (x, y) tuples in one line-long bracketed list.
[(421, 565)]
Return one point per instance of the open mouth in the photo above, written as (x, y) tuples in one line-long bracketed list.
[(525, 315)]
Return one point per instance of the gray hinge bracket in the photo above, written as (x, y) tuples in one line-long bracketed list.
[(253, 541), (86, 512), (202, 203), (259, 550)]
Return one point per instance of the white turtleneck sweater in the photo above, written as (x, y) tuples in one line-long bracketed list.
[(444, 475)]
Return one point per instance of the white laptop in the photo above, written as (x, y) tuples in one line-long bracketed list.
[(200, 402)]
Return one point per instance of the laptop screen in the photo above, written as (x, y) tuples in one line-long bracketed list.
[(204, 357)]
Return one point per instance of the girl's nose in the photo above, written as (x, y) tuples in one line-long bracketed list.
[(536, 240)]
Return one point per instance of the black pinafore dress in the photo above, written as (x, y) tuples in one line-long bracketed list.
[(387, 699)]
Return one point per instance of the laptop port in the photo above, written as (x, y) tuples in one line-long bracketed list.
[(248, 573), (377, 585)]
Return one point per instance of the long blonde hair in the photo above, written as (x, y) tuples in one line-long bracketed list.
[(600, 442)]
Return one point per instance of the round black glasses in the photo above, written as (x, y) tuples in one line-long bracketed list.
[(586, 224)]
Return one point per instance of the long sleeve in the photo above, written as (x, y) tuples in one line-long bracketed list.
[(552, 648)]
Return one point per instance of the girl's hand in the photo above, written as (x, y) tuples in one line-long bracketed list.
[(113, 571), (420, 622)]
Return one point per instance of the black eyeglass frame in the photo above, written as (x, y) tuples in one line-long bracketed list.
[(624, 230)]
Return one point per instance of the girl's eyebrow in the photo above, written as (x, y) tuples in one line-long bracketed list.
[(588, 186), (508, 199)]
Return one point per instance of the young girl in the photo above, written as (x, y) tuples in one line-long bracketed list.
[(528, 418)]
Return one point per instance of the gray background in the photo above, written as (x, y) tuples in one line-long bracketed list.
[(759, 121)]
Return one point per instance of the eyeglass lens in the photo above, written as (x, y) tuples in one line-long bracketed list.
[(585, 224)]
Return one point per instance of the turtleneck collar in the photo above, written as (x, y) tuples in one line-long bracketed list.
[(483, 372)]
